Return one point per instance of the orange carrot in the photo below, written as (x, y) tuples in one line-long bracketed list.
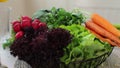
[(102, 32), (105, 24), (103, 39)]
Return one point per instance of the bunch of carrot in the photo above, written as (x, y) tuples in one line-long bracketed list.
[(103, 30)]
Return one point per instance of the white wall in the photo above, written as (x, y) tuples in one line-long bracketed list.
[(107, 8), (99, 3), (34, 5), (17, 6)]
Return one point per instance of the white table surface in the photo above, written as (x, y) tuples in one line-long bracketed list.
[(113, 61)]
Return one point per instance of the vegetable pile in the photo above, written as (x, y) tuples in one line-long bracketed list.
[(37, 45), (57, 36)]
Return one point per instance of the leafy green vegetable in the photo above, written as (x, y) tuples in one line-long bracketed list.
[(56, 17), (117, 26), (84, 45), (10, 40)]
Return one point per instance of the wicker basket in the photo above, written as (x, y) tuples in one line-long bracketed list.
[(90, 63)]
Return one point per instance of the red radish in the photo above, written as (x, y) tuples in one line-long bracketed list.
[(19, 34), (17, 27), (25, 23), (14, 22), (26, 18), (35, 24), (42, 25), (36, 20)]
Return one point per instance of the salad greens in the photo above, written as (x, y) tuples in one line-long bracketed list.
[(60, 16), (84, 45)]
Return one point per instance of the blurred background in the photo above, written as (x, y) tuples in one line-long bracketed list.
[(108, 8)]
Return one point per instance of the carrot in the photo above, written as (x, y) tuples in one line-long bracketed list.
[(105, 24), (103, 39), (102, 32)]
